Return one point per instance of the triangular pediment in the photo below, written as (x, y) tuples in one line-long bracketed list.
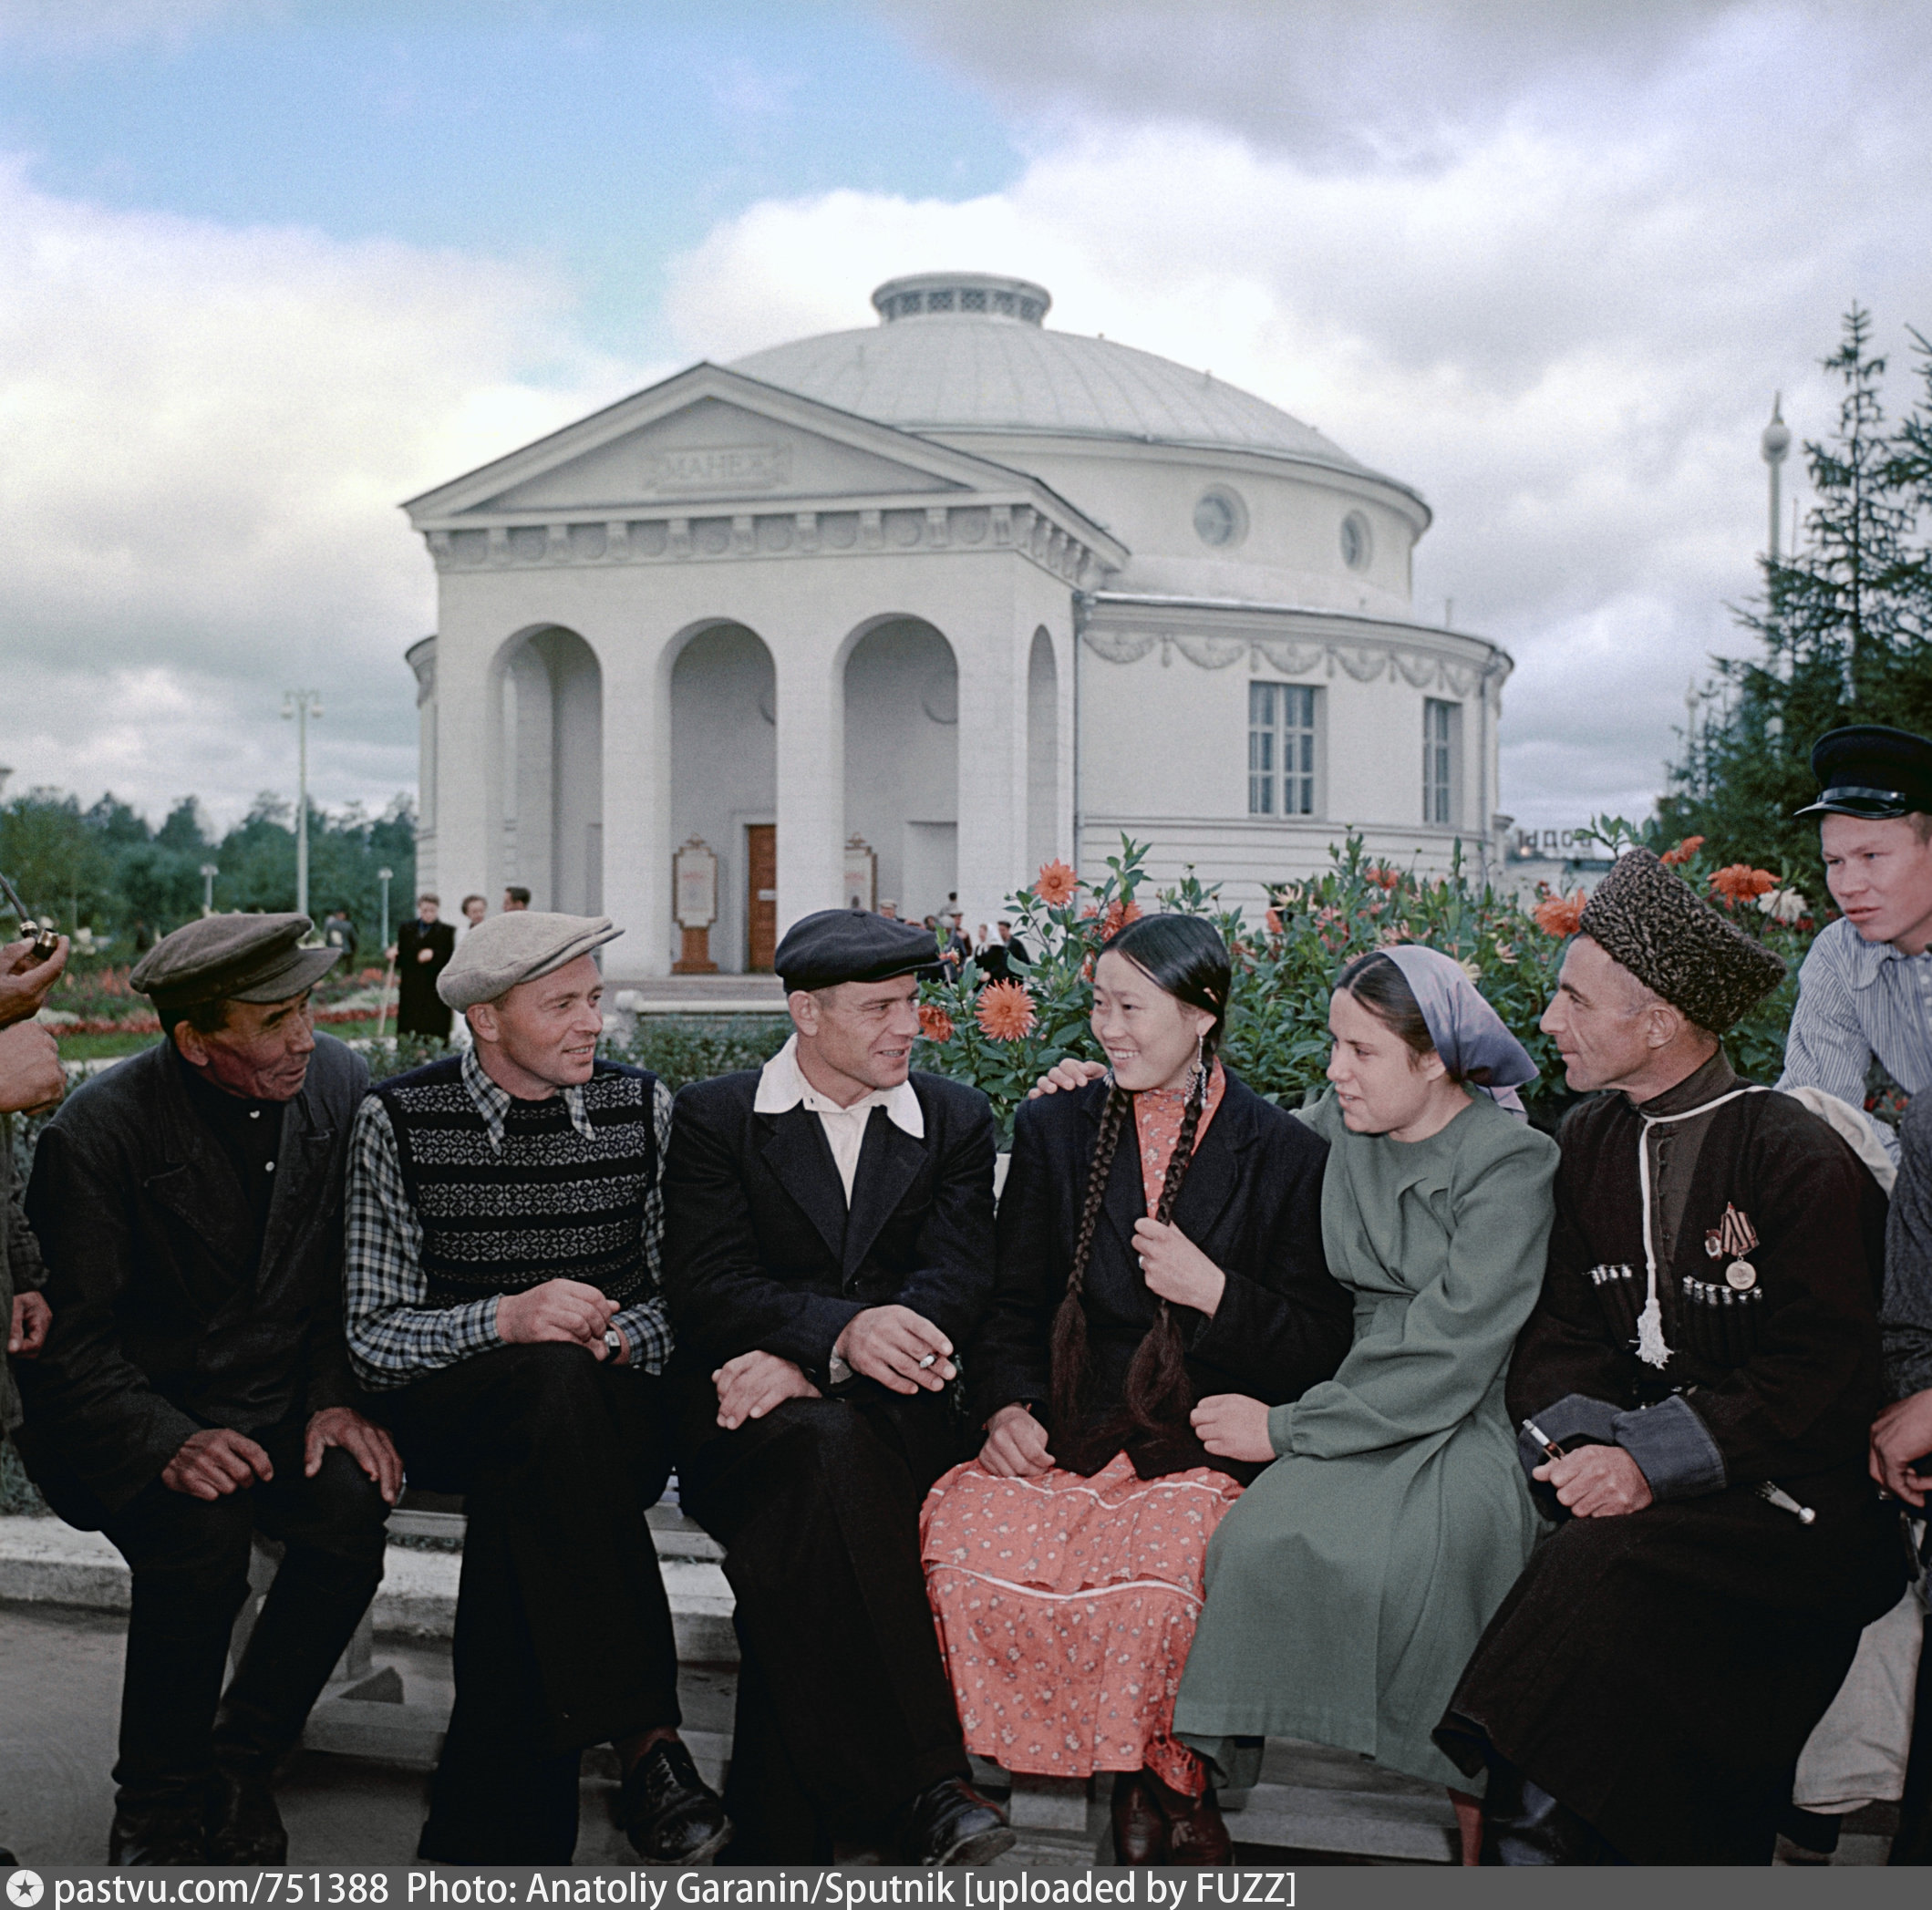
[(706, 440)]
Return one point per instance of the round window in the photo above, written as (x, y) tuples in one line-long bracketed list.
[(1357, 546), (1219, 519)]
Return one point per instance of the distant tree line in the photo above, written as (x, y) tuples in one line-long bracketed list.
[(107, 870), (1845, 628)]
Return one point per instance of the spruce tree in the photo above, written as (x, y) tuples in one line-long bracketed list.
[(1842, 626)]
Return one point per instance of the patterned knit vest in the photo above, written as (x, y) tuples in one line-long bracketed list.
[(551, 1206)]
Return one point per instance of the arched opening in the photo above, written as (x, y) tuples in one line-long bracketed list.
[(724, 783), (1043, 755), (902, 762), (550, 772)]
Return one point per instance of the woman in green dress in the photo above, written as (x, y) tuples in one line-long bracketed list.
[(1348, 1587)]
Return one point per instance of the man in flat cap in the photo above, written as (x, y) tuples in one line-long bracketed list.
[(1705, 1355), (829, 1228), (195, 1387), (504, 1239), (1866, 989)]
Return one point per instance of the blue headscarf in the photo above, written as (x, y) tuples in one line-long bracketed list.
[(1467, 1032)]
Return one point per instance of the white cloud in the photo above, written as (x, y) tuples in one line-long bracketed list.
[(204, 434), (95, 26), (1564, 327)]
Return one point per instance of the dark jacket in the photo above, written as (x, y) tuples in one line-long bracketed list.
[(760, 1252), (19, 1264), (1782, 1384), (147, 1237), (1905, 1320), (1251, 1202)]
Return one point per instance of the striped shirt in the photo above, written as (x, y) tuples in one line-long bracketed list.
[(393, 1336), (1858, 1000)]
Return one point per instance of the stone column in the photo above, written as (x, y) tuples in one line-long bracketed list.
[(467, 728), (810, 747), (992, 770), (637, 800)]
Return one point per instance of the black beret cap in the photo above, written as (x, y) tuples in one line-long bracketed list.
[(231, 958), (1866, 770), (847, 945)]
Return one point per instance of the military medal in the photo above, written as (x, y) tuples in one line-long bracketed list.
[(1735, 1235)]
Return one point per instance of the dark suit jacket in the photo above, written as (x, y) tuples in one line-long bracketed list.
[(1251, 1202), (147, 1237), (761, 1253), (415, 979)]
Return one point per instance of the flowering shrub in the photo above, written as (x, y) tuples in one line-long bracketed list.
[(1002, 1035)]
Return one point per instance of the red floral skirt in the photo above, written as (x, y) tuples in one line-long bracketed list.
[(1066, 1606)]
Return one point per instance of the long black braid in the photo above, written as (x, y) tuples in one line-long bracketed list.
[(1185, 957)]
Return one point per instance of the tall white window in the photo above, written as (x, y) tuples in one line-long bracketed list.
[(1442, 762), (1282, 750)]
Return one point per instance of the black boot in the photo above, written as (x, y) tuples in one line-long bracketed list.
[(951, 1826), (1523, 1825), (171, 1834), (244, 1824), (1913, 1844)]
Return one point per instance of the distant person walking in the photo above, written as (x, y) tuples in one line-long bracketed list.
[(423, 948), (474, 910), (339, 932), (515, 898)]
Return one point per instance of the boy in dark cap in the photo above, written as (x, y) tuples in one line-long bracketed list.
[(1865, 988), (195, 1388), (1706, 1357), (829, 1233)]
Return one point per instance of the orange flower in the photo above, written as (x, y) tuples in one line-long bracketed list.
[(934, 1023), (1006, 1011), (1383, 876), (1559, 916), (1740, 881), (1119, 915), (1688, 847), (1273, 918), (1055, 883)]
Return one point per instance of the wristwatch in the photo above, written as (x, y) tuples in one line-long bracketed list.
[(614, 1344)]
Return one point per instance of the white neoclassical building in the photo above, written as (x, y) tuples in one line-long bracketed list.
[(901, 613)]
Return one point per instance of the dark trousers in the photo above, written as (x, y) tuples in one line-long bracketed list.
[(563, 1633), (844, 1710), (189, 1558)]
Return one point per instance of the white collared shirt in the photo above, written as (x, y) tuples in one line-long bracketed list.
[(782, 1085)]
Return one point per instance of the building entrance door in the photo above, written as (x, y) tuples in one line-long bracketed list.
[(761, 896)]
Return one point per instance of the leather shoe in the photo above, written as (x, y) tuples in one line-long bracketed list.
[(1197, 1833), (1140, 1830), (669, 1813), (170, 1835), (244, 1824), (952, 1825)]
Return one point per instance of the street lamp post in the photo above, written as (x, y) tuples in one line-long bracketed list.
[(300, 705), (208, 872), (383, 875)]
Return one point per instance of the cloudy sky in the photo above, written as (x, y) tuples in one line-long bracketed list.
[(269, 266)]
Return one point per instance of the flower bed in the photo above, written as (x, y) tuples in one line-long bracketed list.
[(1002, 1035)]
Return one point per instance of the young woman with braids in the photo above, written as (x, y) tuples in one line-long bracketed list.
[(1160, 1242), (1348, 1589)]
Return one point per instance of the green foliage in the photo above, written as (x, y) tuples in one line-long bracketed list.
[(1845, 628), (107, 871), (676, 1049), (1284, 969)]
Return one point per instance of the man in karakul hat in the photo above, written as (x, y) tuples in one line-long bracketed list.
[(1706, 1337), (1868, 978), (504, 1307), (195, 1388), (829, 1225)]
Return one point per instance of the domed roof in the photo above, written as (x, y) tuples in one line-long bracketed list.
[(966, 351)]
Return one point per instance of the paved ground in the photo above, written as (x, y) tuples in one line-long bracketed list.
[(59, 1694)]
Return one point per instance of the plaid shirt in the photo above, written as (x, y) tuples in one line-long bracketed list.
[(393, 1337)]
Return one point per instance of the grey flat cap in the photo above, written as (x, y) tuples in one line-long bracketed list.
[(517, 946), (231, 958)]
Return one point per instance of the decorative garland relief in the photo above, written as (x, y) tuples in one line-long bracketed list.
[(1361, 662)]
